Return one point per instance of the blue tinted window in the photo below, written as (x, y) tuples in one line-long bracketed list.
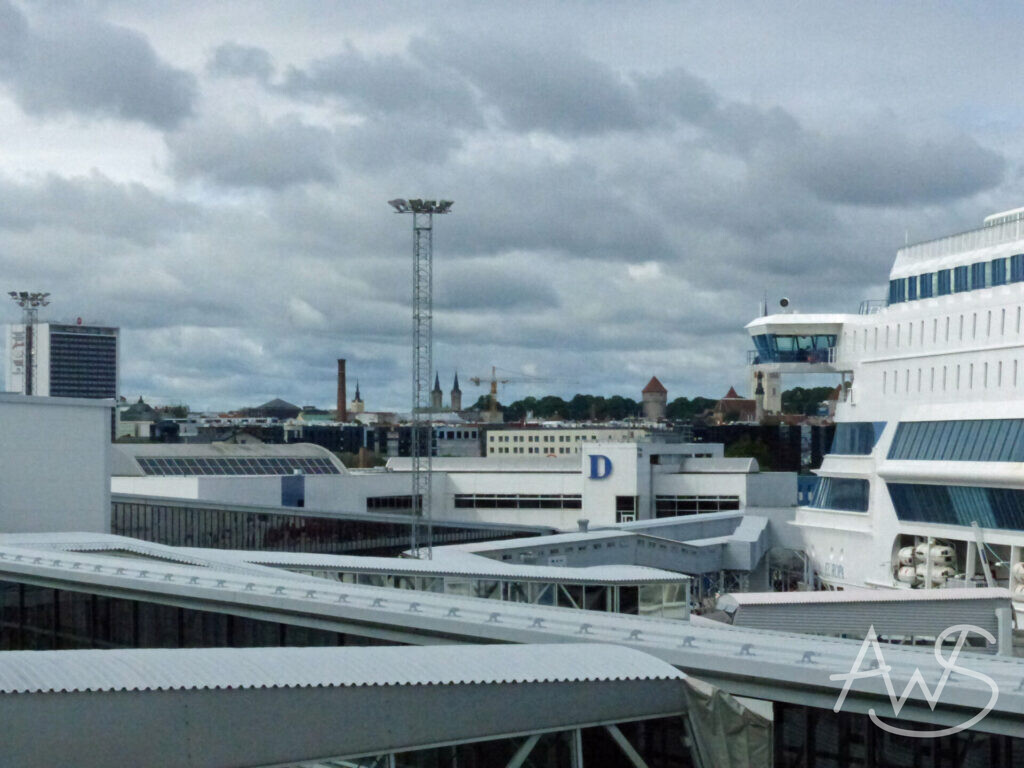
[(897, 291), (777, 348), (1017, 268), (997, 508), (960, 279), (998, 271), (911, 288), (944, 283), (978, 276), (972, 440), (856, 438), (925, 285), (842, 493)]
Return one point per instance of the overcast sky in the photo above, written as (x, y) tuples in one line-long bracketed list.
[(629, 179)]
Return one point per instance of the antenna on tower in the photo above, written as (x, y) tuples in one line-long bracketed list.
[(422, 358), (30, 302)]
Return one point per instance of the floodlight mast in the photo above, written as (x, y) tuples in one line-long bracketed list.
[(422, 441), (30, 302)]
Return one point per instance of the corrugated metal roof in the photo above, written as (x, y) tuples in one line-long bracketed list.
[(450, 563), (210, 668), (761, 655), (867, 596)]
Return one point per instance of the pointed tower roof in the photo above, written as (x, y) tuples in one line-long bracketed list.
[(358, 398), (654, 386), (437, 383), (731, 394), (455, 386)]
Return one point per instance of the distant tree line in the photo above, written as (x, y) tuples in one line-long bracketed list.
[(616, 408), (593, 407)]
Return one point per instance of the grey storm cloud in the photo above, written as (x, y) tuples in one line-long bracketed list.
[(257, 153), (234, 60), (540, 87), (89, 67), (882, 167), (391, 85), (473, 284), (93, 205), (619, 210)]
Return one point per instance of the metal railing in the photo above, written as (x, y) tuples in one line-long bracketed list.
[(961, 242), (871, 306)]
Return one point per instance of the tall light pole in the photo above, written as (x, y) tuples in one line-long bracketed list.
[(30, 302), (422, 357)]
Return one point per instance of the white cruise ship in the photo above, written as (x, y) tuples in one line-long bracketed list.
[(924, 484)]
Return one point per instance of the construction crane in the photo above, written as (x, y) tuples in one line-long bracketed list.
[(493, 382)]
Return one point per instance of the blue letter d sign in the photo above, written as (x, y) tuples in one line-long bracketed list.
[(600, 466)]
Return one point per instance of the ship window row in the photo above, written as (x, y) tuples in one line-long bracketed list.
[(961, 327), (970, 440), (842, 493), (995, 508), (968, 277), (951, 378), (856, 438)]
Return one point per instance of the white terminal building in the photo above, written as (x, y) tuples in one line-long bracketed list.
[(147, 630), (605, 483)]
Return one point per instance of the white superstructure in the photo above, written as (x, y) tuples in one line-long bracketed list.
[(924, 485)]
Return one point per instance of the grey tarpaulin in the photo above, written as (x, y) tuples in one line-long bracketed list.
[(726, 734)]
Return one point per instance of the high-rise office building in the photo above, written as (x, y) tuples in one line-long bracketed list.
[(58, 360)]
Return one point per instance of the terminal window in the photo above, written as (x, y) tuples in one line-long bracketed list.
[(517, 501), (674, 506)]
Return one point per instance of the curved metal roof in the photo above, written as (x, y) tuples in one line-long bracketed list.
[(240, 668)]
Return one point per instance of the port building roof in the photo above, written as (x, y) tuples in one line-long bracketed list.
[(289, 706), (160, 669), (196, 459), (774, 665)]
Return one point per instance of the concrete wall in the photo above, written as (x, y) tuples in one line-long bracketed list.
[(619, 469), (155, 485), (772, 489), (54, 464)]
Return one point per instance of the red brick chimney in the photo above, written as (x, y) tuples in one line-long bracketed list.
[(342, 393)]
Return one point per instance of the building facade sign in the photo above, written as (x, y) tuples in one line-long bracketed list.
[(600, 466)]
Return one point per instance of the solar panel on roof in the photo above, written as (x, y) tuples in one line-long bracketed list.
[(235, 465)]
